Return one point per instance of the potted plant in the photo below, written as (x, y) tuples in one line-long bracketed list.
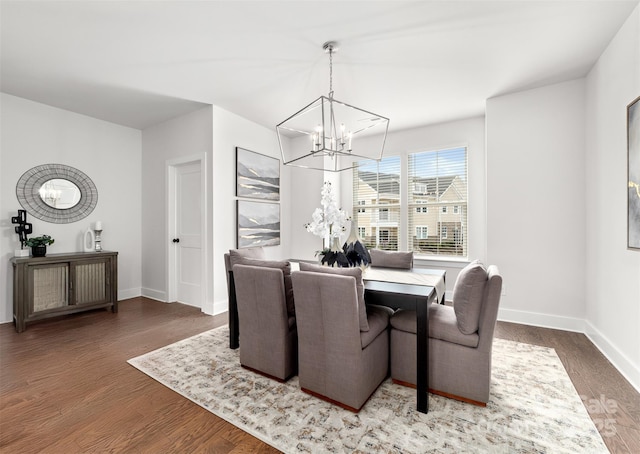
[(39, 245)]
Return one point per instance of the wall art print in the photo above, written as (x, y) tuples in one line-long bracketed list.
[(257, 175), (633, 164), (258, 224)]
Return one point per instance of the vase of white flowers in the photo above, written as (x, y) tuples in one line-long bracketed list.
[(329, 222)]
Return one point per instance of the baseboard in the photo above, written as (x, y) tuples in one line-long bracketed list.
[(129, 293), (542, 320), (620, 361), (220, 306), (154, 294)]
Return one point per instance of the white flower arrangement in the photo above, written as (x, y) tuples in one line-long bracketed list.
[(329, 221)]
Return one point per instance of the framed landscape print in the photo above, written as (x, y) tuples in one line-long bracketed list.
[(257, 175), (258, 223), (633, 164)]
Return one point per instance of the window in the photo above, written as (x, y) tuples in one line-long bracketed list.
[(443, 175), (419, 188), (376, 193), (362, 232), (435, 186)]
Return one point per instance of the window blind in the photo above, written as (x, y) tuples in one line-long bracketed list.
[(376, 202), (437, 202)]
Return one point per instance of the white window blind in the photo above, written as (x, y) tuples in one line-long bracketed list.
[(376, 193), (438, 180)]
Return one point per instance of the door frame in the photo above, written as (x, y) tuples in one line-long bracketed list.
[(171, 172)]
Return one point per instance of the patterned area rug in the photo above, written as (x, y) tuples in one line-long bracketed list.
[(533, 407)]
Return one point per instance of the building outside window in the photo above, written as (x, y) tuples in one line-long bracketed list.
[(436, 179), (444, 173), (422, 232), (376, 192)]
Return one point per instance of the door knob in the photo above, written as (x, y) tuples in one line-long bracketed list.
[(176, 240)]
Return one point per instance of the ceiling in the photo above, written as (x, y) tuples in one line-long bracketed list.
[(138, 63)]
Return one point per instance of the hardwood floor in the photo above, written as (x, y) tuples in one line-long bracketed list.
[(65, 386)]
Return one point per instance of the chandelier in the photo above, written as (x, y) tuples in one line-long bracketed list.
[(331, 135)]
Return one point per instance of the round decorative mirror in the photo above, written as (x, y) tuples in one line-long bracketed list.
[(57, 193)]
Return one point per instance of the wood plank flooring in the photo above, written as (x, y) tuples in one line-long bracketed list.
[(65, 386)]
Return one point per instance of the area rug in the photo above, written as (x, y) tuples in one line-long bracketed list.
[(533, 407)]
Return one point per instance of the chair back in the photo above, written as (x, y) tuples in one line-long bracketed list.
[(264, 324), (489, 308), (391, 259), (260, 297), (252, 252), (328, 327)]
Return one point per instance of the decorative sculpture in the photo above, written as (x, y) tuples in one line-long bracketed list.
[(23, 228)]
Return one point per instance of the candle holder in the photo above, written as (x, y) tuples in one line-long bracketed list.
[(98, 240)]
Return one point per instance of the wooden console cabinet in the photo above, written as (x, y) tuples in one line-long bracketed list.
[(60, 284)]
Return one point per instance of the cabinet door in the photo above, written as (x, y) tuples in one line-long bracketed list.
[(91, 281), (48, 287)]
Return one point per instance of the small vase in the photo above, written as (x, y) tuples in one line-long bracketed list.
[(355, 250), (335, 256), (39, 251)]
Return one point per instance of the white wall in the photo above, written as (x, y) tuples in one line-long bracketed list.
[(613, 271), (536, 203), (217, 133), (231, 131), (34, 134), (184, 136)]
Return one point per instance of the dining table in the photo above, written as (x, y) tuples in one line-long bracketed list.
[(413, 289)]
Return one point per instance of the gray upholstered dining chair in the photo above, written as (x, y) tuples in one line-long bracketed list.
[(460, 338), (230, 258), (251, 252), (337, 361), (391, 259), (268, 336)]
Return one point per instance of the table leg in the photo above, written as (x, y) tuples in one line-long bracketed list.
[(422, 339), (234, 332)]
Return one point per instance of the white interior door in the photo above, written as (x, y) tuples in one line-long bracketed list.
[(188, 238)]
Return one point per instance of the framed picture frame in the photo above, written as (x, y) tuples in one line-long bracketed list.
[(257, 175), (257, 224), (633, 169)]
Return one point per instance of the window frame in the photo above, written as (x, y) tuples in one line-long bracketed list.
[(406, 223)]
